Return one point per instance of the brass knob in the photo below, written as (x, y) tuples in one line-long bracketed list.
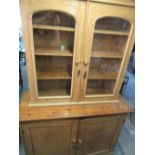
[(85, 75), (85, 63), (78, 73), (78, 62)]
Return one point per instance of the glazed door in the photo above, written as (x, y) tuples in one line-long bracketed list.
[(108, 42), (97, 136), (50, 137), (54, 48)]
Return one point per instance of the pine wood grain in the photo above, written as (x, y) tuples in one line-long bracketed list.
[(46, 51), (27, 113), (107, 54), (59, 28), (117, 2), (93, 75), (111, 32), (46, 75)]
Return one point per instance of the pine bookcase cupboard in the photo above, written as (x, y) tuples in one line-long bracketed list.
[(77, 52)]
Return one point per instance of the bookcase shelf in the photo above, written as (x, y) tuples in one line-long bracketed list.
[(47, 51), (107, 54), (94, 75), (110, 32), (58, 28), (49, 75)]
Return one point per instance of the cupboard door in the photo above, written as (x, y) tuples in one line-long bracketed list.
[(50, 138), (110, 33), (97, 136), (52, 33)]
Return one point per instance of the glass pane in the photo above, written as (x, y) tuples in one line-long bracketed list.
[(100, 67), (110, 38), (53, 41), (54, 75), (53, 47), (113, 23), (99, 87), (54, 18), (54, 87), (102, 75), (109, 43)]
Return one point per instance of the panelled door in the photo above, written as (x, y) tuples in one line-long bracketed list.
[(50, 137), (108, 41), (86, 136), (53, 48), (97, 136)]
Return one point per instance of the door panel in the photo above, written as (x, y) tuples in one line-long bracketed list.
[(96, 135), (52, 138), (109, 31), (54, 48)]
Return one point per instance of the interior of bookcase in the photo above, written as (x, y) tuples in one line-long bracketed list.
[(53, 42), (104, 68), (54, 75), (110, 37), (102, 75), (53, 18), (109, 42), (55, 66), (113, 24), (53, 35), (54, 87), (100, 87)]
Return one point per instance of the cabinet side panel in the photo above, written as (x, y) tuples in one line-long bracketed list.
[(26, 139), (29, 60)]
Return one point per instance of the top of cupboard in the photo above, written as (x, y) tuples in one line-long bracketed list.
[(28, 113), (130, 3), (117, 2)]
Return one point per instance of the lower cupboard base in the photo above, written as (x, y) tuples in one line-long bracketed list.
[(78, 130)]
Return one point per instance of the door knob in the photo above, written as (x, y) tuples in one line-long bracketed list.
[(78, 73), (85, 63), (78, 62), (85, 75)]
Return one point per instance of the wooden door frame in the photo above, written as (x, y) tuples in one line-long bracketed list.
[(28, 8), (107, 10)]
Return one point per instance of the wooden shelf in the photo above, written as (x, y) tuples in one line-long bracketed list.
[(54, 75), (46, 51), (94, 75), (110, 32), (53, 92), (109, 54), (97, 91), (58, 28)]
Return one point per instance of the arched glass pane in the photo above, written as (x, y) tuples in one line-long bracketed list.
[(54, 18), (109, 42), (113, 23), (53, 36)]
